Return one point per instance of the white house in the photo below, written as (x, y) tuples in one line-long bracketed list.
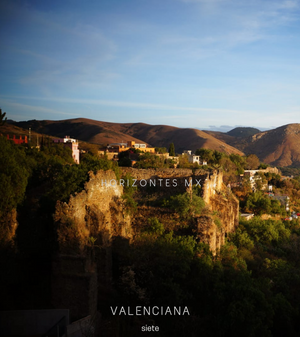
[(193, 158)]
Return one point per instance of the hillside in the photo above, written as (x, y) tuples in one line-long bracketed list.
[(10, 129), (236, 142), (103, 133), (83, 129), (278, 147)]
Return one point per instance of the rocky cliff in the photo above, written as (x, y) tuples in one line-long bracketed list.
[(85, 227), (95, 213), (90, 220), (98, 212)]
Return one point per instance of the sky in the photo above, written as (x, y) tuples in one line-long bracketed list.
[(207, 64)]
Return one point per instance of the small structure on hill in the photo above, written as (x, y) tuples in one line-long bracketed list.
[(72, 144), (247, 216), (193, 158), (19, 140), (121, 147)]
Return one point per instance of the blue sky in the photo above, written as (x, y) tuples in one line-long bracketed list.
[(208, 64)]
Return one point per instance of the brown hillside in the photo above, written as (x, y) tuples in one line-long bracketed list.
[(236, 142), (278, 147), (11, 130), (80, 128), (103, 132), (183, 139)]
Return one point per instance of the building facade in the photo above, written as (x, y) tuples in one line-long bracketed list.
[(72, 144)]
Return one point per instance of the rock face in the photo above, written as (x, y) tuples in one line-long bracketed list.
[(85, 226), (95, 213), (98, 211), (8, 227), (214, 230)]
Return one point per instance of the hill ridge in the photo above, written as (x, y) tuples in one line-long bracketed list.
[(100, 132)]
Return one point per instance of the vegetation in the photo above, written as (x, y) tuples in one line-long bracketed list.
[(51, 170), (128, 193), (172, 150), (186, 204), (260, 203), (14, 173), (161, 150), (148, 160), (250, 288)]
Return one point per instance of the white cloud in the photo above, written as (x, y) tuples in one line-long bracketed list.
[(14, 106)]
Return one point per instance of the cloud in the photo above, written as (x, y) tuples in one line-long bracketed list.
[(9, 105), (125, 104)]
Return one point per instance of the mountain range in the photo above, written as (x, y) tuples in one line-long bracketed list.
[(278, 147)]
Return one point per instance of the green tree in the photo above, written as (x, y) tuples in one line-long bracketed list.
[(13, 182), (206, 154), (154, 227), (161, 150), (149, 160), (258, 203), (186, 204), (172, 150)]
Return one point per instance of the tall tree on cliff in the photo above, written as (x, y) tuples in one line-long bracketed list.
[(172, 150), (3, 119)]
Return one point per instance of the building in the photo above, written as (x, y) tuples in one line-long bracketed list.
[(193, 158), (254, 178), (121, 147), (247, 216), (19, 140), (72, 144)]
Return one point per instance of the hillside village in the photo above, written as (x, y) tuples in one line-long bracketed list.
[(92, 223)]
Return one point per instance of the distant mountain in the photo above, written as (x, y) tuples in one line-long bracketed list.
[(278, 147), (243, 132), (103, 133)]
